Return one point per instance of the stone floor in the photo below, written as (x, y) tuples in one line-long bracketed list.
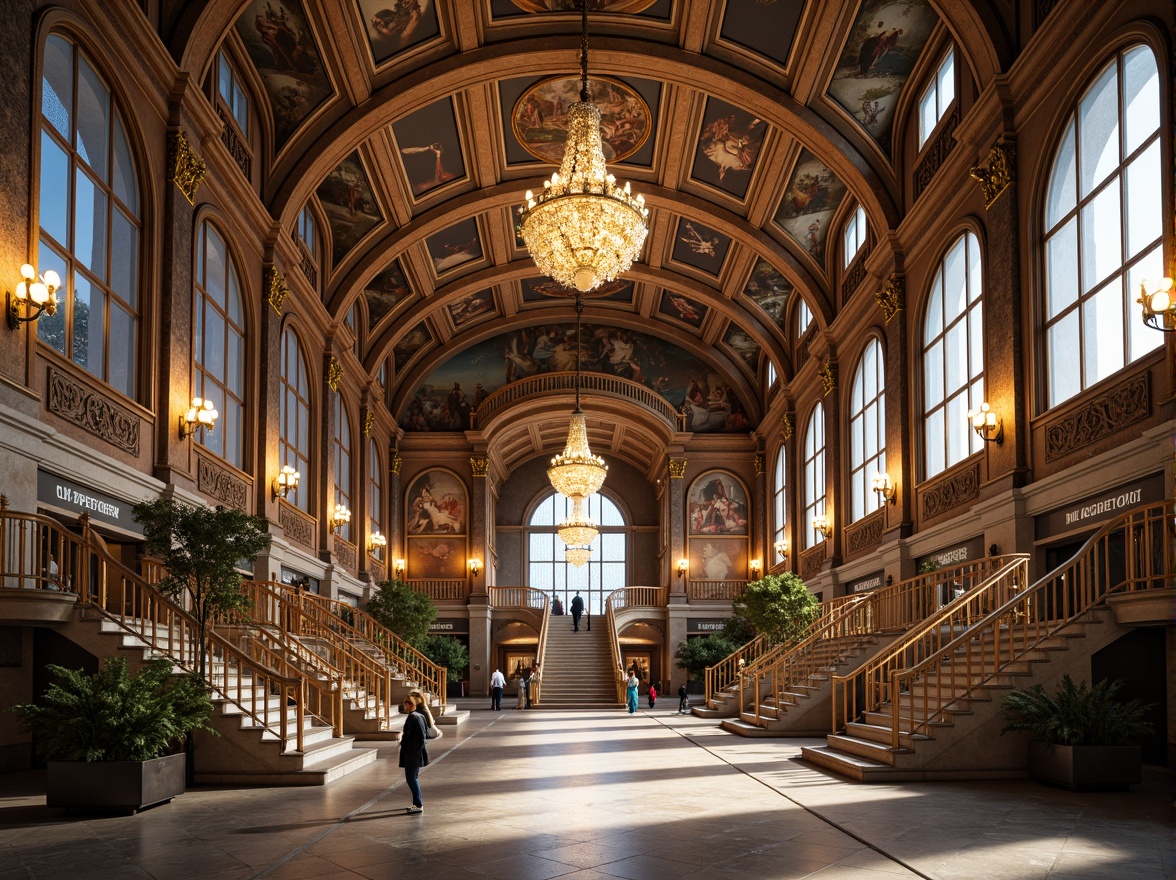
[(588, 795)]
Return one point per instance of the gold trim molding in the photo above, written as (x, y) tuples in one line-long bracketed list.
[(787, 426), (369, 422), (758, 464), (275, 287), (395, 462), (828, 376), (890, 297), (184, 168), (676, 467), (480, 466), (334, 373), (1000, 173)]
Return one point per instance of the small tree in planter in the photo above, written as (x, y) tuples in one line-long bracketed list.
[(779, 607), (1081, 737), (448, 652), (200, 550), (403, 610), (111, 732)]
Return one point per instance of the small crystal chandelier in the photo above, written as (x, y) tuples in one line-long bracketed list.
[(577, 556), (577, 530), (577, 472), (584, 229)]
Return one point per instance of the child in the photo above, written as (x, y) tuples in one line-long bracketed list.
[(652, 693), (683, 701)]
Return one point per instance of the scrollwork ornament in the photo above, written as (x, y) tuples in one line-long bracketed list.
[(334, 373), (369, 421), (184, 168), (677, 468), (758, 464), (828, 376), (395, 462), (276, 288), (890, 297), (1000, 173), (787, 426)]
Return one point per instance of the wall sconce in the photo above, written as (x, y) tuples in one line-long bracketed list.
[(199, 417), (33, 296), (987, 424), (286, 481), (822, 525), (755, 565), (376, 541), (339, 518), (782, 548), (398, 568), (683, 567), (475, 567), (1159, 309), (886, 491)]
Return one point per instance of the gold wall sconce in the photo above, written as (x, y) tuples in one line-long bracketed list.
[(201, 416), (398, 568), (35, 295), (781, 548), (339, 518), (376, 542), (756, 566), (475, 567), (822, 525), (286, 481), (1159, 306), (683, 567), (987, 424), (885, 489)]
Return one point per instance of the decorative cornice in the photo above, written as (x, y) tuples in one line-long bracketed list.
[(395, 462), (184, 168), (369, 421), (949, 493), (828, 376), (676, 467), (1000, 173), (1098, 418), (216, 482), (787, 426), (479, 466), (275, 287), (758, 464), (93, 412), (334, 372), (890, 298)]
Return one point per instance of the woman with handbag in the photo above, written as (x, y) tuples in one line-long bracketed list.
[(413, 754)]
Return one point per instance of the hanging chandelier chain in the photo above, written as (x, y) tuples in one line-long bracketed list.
[(584, 51), (579, 312)]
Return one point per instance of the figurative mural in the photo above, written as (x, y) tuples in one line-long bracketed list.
[(455, 245), (435, 557), (544, 289), (813, 194), (283, 49), (696, 390), (435, 505), (769, 290), (728, 147), (472, 306), (430, 149), (878, 57), (717, 505), (385, 291), (394, 25), (351, 207), (746, 348), (685, 309), (717, 559), (409, 344), (700, 246), (539, 119)]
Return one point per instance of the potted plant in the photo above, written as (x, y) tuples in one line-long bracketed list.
[(1081, 737), (108, 735)]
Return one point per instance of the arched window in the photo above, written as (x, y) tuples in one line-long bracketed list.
[(342, 448), (854, 236), (779, 508), (306, 231), (804, 317), (937, 97), (770, 376), (90, 220), (218, 346), (354, 317), (604, 572), (1103, 227), (294, 442), (867, 430), (232, 93), (375, 495), (814, 474), (953, 358)]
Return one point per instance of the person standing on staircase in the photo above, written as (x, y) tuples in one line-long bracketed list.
[(497, 683), (577, 612)]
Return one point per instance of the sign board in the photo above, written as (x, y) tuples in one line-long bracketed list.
[(870, 582), (704, 625), (450, 626), (1099, 508), (969, 551), (64, 494)]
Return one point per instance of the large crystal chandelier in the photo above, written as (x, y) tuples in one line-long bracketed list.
[(584, 229)]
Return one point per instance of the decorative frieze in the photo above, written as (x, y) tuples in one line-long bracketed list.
[(184, 168), (233, 144), (334, 373), (812, 559), (296, 525), (93, 412), (864, 534), (479, 466), (828, 376), (1098, 418), (676, 467), (308, 269), (345, 553), (949, 493), (1000, 172), (377, 570), (216, 482), (890, 297), (936, 154), (275, 287)]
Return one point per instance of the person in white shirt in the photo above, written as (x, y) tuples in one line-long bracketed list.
[(497, 683)]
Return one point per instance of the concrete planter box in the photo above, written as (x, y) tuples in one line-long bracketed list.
[(114, 786), (1086, 767)]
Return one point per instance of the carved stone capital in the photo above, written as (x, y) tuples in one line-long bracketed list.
[(676, 467), (334, 373), (395, 462), (890, 297), (828, 376), (184, 168), (479, 466), (1000, 173), (275, 287)]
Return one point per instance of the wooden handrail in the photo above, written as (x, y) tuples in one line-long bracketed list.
[(1131, 553), (619, 600)]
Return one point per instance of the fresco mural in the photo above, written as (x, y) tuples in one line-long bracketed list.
[(444, 399), (769, 290), (765, 27), (744, 347), (409, 344), (545, 289), (728, 147), (430, 149), (574, 5), (435, 504), (683, 308), (436, 558), (878, 58), (813, 194), (350, 205), (394, 25), (472, 306), (283, 49), (385, 291), (458, 244), (539, 119), (700, 246), (717, 505), (718, 559)]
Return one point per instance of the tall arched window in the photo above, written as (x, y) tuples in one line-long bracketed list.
[(342, 449), (867, 430), (306, 231), (375, 494), (953, 358), (90, 220), (814, 474), (604, 572), (779, 508), (854, 236), (804, 317), (1103, 227), (294, 441), (218, 345)]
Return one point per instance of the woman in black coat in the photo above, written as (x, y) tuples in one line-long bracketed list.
[(413, 754)]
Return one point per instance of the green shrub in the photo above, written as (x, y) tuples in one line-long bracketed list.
[(1077, 715)]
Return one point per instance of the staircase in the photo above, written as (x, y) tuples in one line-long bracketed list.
[(577, 667)]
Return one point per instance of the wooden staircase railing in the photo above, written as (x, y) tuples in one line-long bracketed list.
[(619, 600), (1133, 552), (532, 600)]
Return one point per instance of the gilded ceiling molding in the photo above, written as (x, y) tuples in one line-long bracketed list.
[(787, 426), (395, 462), (369, 421), (758, 464), (677, 468), (184, 168), (828, 376), (275, 287), (1001, 172), (334, 373), (480, 465), (890, 297)]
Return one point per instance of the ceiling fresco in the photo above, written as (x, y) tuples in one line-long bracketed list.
[(350, 205), (728, 147), (765, 27), (395, 25), (385, 291), (769, 290), (430, 149), (813, 194)]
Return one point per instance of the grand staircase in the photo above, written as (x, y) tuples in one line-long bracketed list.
[(578, 667)]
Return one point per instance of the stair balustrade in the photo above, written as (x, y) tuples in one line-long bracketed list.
[(621, 600), (532, 600)]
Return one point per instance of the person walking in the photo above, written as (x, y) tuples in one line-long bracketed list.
[(631, 692), (533, 690), (577, 612), (413, 754), (527, 673), (683, 701), (497, 683), (522, 685), (652, 694)]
